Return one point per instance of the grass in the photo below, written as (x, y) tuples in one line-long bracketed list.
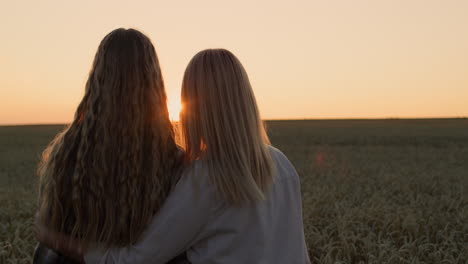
[(374, 191)]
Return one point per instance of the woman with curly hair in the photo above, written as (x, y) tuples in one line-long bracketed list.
[(107, 174)]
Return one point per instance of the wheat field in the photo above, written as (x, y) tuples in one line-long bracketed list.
[(374, 191)]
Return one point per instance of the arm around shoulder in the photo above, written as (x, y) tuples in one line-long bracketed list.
[(173, 230)]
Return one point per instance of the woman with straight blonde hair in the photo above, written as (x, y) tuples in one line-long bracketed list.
[(221, 124), (239, 199)]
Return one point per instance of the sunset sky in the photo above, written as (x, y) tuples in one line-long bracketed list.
[(305, 59)]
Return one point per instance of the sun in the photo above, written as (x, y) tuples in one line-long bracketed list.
[(174, 106)]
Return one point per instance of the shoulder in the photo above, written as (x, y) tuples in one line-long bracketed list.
[(278, 157), (276, 153), (284, 167)]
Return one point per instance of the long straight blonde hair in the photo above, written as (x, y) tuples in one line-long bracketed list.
[(220, 123), (103, 178)]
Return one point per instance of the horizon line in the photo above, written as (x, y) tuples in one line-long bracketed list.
[(283, 119)]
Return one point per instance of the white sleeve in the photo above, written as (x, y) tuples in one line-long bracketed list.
[(172, 231)]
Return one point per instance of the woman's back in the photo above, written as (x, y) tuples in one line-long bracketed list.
[(269, 231)]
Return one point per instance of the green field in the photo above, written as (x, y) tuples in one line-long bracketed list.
[(374, 191)]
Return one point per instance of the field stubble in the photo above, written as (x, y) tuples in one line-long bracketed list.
[(374, 191)]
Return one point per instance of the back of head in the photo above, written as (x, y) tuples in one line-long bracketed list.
[(107, 174), (221, 124)]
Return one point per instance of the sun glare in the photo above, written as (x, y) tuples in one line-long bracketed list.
[(174, 107)]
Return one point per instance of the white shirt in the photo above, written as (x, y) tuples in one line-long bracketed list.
[(195, 221)]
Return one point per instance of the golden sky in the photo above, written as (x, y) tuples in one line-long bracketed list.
[(305, 59)]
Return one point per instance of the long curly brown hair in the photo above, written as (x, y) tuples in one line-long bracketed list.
[(105, 176)]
